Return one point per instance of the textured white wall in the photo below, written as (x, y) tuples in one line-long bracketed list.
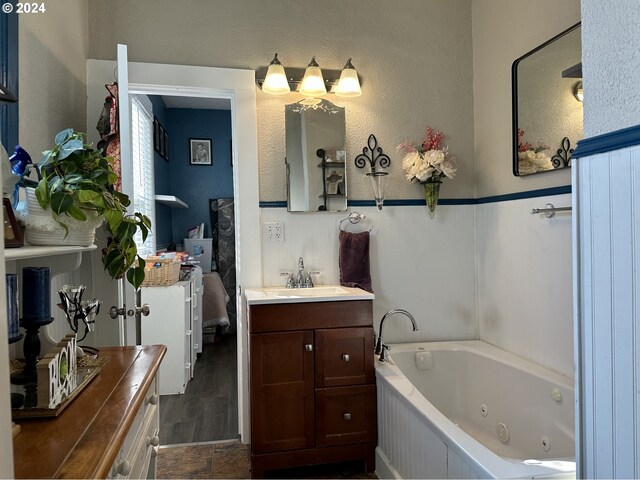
[(415, 60), (524, 280), (424, 266), (53, 48), (504, 30), (611, 62)]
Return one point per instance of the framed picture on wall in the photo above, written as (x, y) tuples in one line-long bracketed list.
[(156, 133), (165, 143), (200, 151), (160, 140), (12, 234)]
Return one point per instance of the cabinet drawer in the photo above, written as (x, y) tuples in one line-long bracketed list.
[(344, 356), (345, 415)]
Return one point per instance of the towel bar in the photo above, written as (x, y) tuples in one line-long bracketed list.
[(550, 211)]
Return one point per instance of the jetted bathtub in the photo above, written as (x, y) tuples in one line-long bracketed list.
[(470, 410)]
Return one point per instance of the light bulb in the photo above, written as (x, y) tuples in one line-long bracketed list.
[(276, 82)]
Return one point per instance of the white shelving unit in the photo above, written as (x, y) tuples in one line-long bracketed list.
[(171, 201), (32, 251)]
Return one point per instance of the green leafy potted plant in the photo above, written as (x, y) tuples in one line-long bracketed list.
[(76, 189)]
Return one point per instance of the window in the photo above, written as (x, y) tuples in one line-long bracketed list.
[(143, 183)]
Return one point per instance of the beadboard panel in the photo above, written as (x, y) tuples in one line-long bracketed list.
[(609, 267), (424, 266), (524, 280)]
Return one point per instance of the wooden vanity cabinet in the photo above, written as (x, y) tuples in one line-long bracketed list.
[(312, 384)]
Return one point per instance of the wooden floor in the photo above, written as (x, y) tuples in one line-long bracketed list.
[(208, 410)]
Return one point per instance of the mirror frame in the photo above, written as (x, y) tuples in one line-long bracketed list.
[(514, 99)]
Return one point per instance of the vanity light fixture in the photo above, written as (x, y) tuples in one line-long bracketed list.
[(578, 92), (310, 82), (313, 83), (348, 85), (276, 82), (372, 154)]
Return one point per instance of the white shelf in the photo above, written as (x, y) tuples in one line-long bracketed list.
[(32, 251), (171, 201)]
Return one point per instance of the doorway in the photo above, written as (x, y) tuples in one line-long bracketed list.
[(239, 87), (196, 215)]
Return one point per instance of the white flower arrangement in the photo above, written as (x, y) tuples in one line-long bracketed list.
[(428, 161)]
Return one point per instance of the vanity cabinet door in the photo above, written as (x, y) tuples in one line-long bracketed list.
[(282, 391), (344, 356), (346, 415)]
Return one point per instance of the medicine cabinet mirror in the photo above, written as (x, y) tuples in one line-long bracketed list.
[(547, 104), (316, 155)]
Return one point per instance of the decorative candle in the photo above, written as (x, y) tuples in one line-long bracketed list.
[(13, 306), (36, 296)]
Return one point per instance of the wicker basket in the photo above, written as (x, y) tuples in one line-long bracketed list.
[(166, 274)]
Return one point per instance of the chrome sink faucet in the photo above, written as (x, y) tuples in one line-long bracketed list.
[(302, 280), (381, 347), (301, 274)]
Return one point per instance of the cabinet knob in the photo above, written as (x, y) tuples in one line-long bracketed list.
[(124, 468), (347, 417), (154, 441), (308, 347), (345, 357), (153, 399)]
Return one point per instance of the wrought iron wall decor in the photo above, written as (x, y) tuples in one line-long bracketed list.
[(373, 155), (563, 156)]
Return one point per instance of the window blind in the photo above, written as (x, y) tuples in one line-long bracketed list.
[(143, 182)]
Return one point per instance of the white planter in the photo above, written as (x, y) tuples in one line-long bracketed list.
[(42, 229)]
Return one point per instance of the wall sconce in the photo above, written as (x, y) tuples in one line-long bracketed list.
[(373, 155), (310, 82), (578, 92)]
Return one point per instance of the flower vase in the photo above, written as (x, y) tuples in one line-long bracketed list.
[(431, 194)]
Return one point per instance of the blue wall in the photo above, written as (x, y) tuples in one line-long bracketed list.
[(164, 217), (9, 78), (196, 184)]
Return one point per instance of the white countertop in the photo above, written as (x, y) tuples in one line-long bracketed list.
[(320, 293)]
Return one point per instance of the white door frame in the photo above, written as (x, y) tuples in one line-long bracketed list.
[(239, 87)]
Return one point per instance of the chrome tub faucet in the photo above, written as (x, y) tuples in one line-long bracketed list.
[(381, 347)]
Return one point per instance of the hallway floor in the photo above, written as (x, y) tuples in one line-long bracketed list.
[(208, 410)]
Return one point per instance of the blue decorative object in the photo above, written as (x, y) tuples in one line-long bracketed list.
[(19, 162), (36, 294)]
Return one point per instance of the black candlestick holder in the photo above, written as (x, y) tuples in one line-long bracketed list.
[(31, 349)]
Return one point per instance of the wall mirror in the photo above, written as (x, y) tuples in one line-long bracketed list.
[(547, 104), (316, 171)]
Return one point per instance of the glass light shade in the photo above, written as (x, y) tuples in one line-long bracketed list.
[(578, 92), (313, 83), (378, 181), (275, 82), (348, 85)]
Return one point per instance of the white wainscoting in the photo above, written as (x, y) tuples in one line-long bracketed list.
[(424, 266), (608, 237), (524, 280)]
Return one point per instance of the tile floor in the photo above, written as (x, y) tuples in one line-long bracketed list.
[(231, 460)]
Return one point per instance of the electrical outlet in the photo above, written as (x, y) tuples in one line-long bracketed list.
[(273, 232)]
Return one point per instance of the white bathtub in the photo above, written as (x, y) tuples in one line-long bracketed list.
[(442, 407)]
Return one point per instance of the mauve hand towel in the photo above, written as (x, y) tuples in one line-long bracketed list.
[(354, 260)]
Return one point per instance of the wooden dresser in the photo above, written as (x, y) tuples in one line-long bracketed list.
[(110, 430), (312, 385)]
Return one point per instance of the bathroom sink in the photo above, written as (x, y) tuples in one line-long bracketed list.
[(320, 293)]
